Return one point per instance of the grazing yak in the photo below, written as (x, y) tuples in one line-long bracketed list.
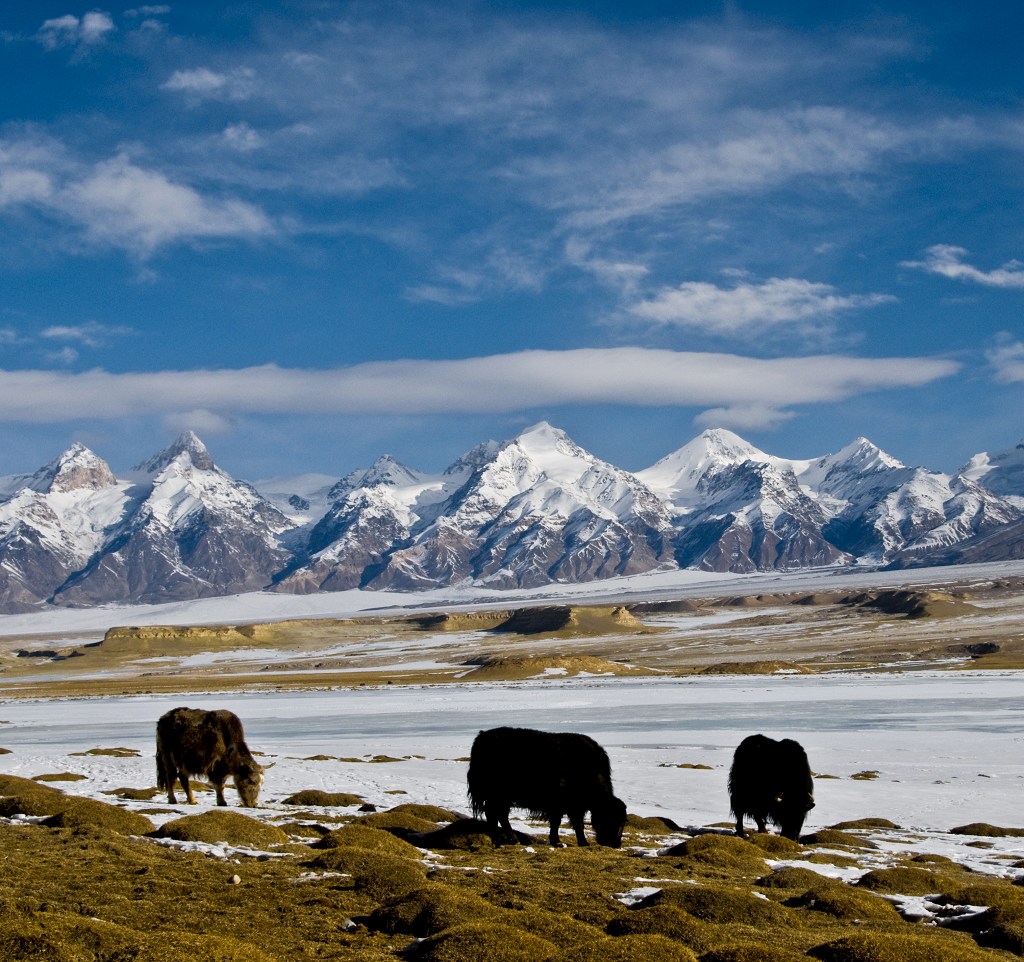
[(211, 744), (771, 782), (550, 774)]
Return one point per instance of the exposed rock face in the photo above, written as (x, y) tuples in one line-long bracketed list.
[(52, 523), (531, 511), (191, 532)]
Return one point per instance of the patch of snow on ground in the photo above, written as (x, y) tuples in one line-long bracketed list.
[(947, 747)]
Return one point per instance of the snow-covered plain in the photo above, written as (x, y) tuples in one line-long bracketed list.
[(946, 747), (266, 606), (932, 750)]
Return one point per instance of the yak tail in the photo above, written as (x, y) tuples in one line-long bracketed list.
[(163, 779)]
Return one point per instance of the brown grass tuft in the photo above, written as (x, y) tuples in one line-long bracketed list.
[(668, 920), (629, 948), (477, 941), (893, 947), (377, 874), (223, 827), (719, 904), (314, 796), (358, 835)]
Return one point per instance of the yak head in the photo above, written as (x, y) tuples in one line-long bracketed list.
[(793, 808), (608, 819), (248, 777)]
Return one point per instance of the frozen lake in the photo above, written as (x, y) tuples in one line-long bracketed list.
[(947, 747)]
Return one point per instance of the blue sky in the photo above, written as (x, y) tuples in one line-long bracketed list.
[(325, 231)]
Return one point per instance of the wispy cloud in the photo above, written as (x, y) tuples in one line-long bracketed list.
[(119, 203), (203, 83), (1007, 360), (734, 386), (948, 261), (775, 303), (72, 31), (129, 206), (203, 422), (92, 334), (748, 151)]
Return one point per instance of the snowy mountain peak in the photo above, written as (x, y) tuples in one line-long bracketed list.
[(1002, 472), (75, 469), (865, 456), (384, 472), (542, 442), (186, 447), (715, 450), (387, 471), (473, 459)]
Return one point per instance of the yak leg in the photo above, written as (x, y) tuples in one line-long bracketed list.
[(187, 785), (554, 820), (172, 777), (762, 823), (739, 826), (497, 822), (218, 775), (577, 820)]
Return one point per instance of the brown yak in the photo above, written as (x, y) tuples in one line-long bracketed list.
[(210, 744)]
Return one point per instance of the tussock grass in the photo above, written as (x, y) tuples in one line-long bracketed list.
[(403, 823), (726, 853), (476, 941), (431, 909), (232, 828), (63, 811), (832, 837), (845, 903), (864, 823), (750, 952), (364, 894), (668, 920), (716, 903), (629, 948), (987, 831), (374, 873), (358, 835), (903, 880), (891, 947), (313, 796)]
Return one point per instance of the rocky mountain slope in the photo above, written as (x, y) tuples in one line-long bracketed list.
[(532, 510)]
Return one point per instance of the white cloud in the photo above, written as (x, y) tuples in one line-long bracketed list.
[(203, 422), (140, 210), (242, 137), (92, 334), (67, 356), (749, 152), (948, 261), (777, 302), (95, 26), (1007, 360), (202, 82), (119, 203), (497, 383), (743, 417), (69, 30)]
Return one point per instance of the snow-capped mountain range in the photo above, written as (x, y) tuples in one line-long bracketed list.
[(534, 510)]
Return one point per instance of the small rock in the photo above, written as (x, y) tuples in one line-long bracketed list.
[(234, 880)]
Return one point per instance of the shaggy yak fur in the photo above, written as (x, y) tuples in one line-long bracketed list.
[(209, 744), (550, 774), (771, 782)]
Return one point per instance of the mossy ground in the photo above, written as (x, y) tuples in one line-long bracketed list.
[(95, 888)]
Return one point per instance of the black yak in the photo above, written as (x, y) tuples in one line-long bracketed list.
[(211, 744), (550, 774), (771, 782)]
